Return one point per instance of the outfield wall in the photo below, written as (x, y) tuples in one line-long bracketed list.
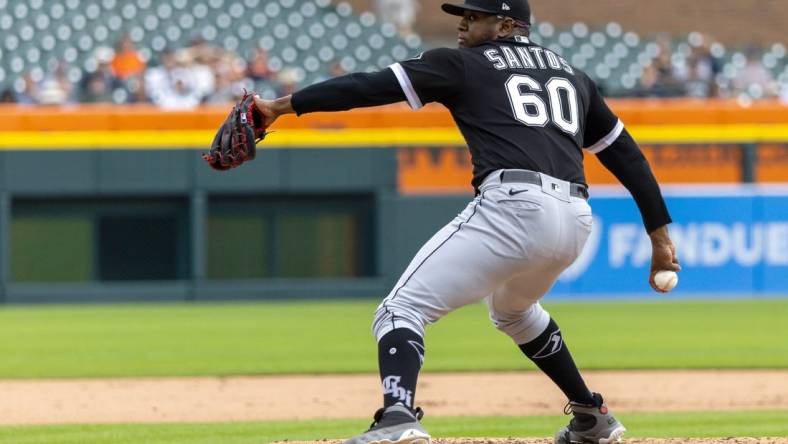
[(102, 204), (111, 226)]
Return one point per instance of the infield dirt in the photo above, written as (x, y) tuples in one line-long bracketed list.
[(357, 396)]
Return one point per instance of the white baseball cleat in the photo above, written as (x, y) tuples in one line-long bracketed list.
[(394, 425), (592, 424)]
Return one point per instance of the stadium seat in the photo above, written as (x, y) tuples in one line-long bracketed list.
[(308, 36)]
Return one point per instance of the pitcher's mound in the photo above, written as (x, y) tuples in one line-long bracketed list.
[(625, 441), (550, 441)]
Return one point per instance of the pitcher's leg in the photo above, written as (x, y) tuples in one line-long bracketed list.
[(400, 357), (463, 263), (549, 352), (515, 310), (460, 265), (514, 306)]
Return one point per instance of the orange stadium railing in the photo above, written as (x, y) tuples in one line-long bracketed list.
[(147, 117), (686, 140)]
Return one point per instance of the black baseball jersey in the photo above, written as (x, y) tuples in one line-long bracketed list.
[(518, 105)]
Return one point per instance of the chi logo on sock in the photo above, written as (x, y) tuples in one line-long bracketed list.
[(553, 346), (391, 387)]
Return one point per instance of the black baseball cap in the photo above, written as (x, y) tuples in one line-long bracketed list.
[(516, 9)]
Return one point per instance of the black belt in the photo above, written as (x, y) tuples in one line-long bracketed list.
[(532, 177)]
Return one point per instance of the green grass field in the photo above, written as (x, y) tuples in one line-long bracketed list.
[(334, 336), (662, 425), (330, 337)]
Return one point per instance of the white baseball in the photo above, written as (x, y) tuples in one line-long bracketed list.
[(666, 280)]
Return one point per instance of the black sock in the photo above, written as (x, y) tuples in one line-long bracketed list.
[(551, 355), (400, 357)]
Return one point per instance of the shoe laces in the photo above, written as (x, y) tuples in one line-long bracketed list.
[(418, 413), (377, 417), (598, 401)]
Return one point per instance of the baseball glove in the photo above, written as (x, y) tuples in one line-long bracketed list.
[(237, 138)]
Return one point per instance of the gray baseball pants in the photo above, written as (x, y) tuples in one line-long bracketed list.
[(508, 246)]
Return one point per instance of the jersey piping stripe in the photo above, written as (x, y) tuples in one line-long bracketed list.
[(407, 87), (607, 140), (459, 227)]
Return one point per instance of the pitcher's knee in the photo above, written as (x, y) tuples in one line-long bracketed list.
[(522, 327), (391, 316)]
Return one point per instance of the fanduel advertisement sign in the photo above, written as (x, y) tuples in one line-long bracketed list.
[(730, 241)]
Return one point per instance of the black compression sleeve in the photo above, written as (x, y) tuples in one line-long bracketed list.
[(625, 160), (348, 92)]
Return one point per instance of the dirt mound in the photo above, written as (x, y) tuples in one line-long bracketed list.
[(627, 441), (550, 441)]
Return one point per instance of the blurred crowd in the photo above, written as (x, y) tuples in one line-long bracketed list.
[(201, 73), (699, 75), (401, 13), (177, 79)]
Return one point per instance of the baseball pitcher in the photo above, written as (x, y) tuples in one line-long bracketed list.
[(527, 116)]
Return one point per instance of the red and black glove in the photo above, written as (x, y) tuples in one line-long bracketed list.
[(237, 138)]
